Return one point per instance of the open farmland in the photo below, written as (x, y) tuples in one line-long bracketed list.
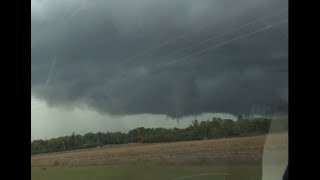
[(232, 150), (235, 157)]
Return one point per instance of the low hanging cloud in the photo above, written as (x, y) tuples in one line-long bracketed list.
[(143, 57)]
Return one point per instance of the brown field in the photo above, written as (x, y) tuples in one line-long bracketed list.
[(231, 150)]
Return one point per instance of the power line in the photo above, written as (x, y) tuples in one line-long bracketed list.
[(213, 47), (222, 34), (202, 42), (221, 44), (184, 35), (142, 53)]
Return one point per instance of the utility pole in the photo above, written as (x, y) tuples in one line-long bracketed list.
[(64, 147), (177, 118)]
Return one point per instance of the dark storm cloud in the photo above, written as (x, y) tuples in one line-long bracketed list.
[(108, 55)]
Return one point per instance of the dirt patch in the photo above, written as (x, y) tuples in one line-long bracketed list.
[(231, 150)]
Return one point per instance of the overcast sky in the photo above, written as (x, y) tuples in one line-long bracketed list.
[(118, 64)]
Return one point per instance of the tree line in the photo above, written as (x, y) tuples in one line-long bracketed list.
[(211, 129)]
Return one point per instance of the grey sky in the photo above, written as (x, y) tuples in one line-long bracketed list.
[(48, 122), (105, 57)]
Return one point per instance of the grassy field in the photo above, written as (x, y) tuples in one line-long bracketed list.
[(233, 158), (154, 172)]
